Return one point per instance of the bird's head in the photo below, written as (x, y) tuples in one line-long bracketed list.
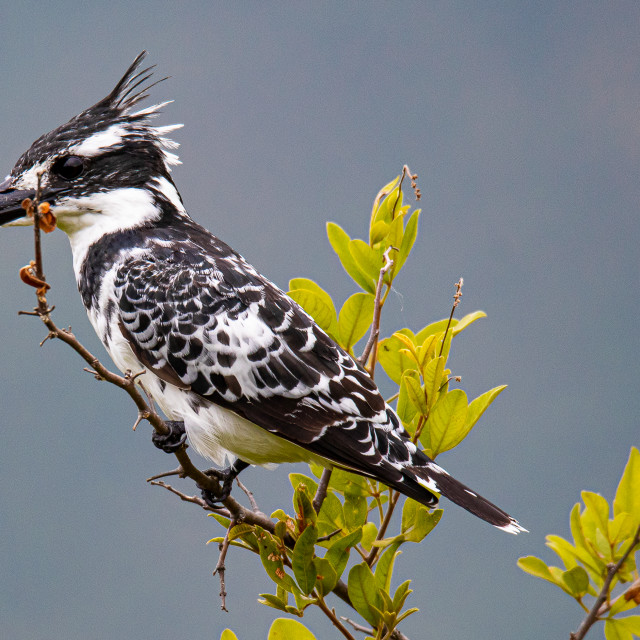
[(106, 169)]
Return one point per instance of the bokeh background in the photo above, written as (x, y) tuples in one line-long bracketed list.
[(522, 121)]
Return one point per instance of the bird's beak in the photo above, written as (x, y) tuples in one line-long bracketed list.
[(11, 202), (11, 210)]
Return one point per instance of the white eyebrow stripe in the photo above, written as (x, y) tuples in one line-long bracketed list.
[(96, 143)]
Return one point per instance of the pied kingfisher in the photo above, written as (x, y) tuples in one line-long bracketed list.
[(231, 360)]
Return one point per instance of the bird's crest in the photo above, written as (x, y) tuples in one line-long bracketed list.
[(109, 123)]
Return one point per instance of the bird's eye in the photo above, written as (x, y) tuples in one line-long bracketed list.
[(69, 167)]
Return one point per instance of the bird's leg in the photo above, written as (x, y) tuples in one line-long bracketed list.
[(226, 477), (172, 441)]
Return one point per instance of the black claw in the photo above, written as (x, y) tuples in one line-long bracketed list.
[(171, 442), (226, 477)]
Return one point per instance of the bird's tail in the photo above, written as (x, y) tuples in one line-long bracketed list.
[(434, 478)]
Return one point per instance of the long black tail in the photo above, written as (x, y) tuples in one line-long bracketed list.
[(434, 478)]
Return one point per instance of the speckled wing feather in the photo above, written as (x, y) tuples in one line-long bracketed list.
[(202, 318)]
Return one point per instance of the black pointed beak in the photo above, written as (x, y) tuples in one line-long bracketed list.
[(11, 204), (11, 201)]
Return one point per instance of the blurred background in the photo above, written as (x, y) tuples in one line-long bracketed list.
[(521, 120)]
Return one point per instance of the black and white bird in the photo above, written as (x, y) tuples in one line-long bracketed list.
[(230, 359)]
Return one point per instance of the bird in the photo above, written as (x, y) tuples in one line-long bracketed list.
[(237, 366)]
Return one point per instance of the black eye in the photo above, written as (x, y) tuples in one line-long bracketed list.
[(69, 168)]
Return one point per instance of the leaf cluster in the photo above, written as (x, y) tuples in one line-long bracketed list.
[(601, 554), (347, 544)]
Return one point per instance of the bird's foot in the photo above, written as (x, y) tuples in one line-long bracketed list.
[(172, 441), (226, 477)]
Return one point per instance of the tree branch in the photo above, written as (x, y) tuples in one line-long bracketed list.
[(593, 615), (33, 274), (321, 493)]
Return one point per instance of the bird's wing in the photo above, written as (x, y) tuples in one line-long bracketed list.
[(202, 318)]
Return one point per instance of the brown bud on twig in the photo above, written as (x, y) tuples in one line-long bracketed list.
[(28, 277)]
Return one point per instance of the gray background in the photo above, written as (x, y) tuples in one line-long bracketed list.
[(521, 120)]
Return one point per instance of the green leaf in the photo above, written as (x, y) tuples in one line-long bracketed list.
[(620, 605), (627, 498), (338, 553), (302, 560), (478, 406), (447, 421), (225, 522), (272, 561), (318, 308), (621, 628), (433, 377), (340, 240), (349, 484), (326, 576), (299, 478), (632, 623), (576, 526), (368, 260), (409, 237), (536, 567), (577, 581), (401, 594), (433, 328), (364, 593), (406, 614), (384, 568), (428, 349), (409, 513), (355, 319), (287, 629), (270, 600), (369, 533), (564, 549), (392, 360), (355, 511), (621, 527), (240, 530), (385, 209), (302, 503), (597, 510), (331, 516), (394, 239), (227, 634), (418, 521), (465, 321), (378, 232), (405, 409), (415, 392)]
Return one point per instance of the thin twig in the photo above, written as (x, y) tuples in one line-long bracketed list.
[(165, 474), (220, 567), (393, 501), (331, 614), (329, 536), (358, 627), (183, 496), (612, 570), (456, 302), (252, 500), (371, 348), (38, 268), (321, 493)]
